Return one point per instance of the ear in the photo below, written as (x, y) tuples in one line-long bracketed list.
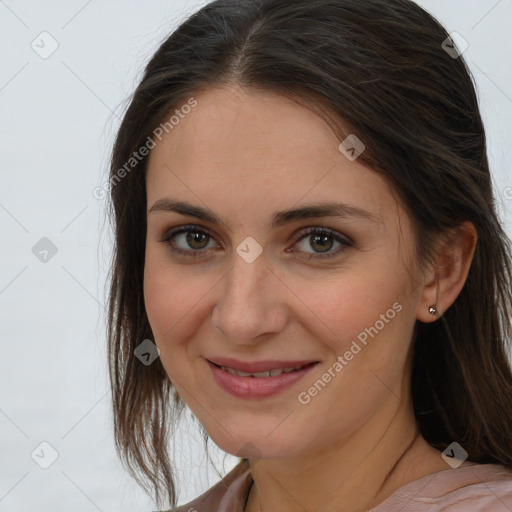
[(445, 281)]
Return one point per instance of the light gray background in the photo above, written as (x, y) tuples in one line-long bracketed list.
[(58, 117)]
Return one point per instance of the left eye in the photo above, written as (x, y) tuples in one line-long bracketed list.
[(197, 240), (323, 240)]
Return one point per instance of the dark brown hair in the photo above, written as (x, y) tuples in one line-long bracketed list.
[(380, 68)]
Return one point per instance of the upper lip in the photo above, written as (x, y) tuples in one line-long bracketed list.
[(257, 366)]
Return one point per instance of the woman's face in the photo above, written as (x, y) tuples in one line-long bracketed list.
[(253, 288)]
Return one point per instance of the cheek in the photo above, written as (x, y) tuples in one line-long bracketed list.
[(352, 305), (365, 361), (367, 321), (175, 299), (169, 306), (166, 296)]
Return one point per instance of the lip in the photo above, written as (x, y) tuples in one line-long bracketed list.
[(258, 387)]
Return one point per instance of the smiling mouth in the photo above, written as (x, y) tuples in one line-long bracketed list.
[(266, 378), (268, 373)]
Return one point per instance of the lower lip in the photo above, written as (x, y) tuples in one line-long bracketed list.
[(256, 387)]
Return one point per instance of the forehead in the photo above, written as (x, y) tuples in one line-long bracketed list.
[(260, 149)]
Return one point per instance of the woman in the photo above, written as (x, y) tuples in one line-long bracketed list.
[(308, 256)]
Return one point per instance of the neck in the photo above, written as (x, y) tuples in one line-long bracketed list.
[(353, 475)]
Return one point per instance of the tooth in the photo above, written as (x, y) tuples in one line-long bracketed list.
[(229, 370), (242, 374), (289, 370), (269, 373), (262, 374)]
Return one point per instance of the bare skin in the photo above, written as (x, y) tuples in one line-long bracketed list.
[(246, 155)]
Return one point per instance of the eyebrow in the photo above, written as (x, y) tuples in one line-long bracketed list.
[(279, 218)]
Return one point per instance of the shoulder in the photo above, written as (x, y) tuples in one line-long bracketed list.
[(229, 494), (472, 488), (488, 489)]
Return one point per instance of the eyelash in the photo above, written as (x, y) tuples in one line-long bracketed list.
[(297, 238)]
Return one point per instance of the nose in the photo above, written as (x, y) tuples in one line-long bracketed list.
[(251, 304)]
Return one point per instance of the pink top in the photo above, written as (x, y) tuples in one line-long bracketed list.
[(475, 488)]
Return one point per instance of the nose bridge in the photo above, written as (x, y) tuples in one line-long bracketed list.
[(248, 305), (246, 285), (249, 269)]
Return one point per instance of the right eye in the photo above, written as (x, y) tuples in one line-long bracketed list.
[(193, 240)]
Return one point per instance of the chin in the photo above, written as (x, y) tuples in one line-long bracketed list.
[(256, 446)]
